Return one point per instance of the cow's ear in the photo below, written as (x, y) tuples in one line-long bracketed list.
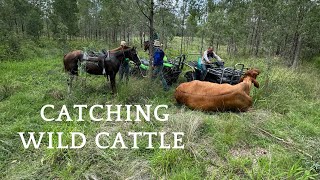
[(255, 82)]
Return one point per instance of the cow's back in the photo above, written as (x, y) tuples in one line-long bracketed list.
[(210, 96)]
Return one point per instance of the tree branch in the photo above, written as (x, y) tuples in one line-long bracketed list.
[(146, 4), (142, 10), (288, 144)]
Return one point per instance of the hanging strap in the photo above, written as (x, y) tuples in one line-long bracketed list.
[(103, 63)]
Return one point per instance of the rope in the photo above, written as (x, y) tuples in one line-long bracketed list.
[(144, 76)]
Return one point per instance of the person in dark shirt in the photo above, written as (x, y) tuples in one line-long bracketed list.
[(158, 55), (206, 60), (124, 67)]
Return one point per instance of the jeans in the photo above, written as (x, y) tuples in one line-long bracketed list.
[(204, 71), (124, 70), (157, 73)]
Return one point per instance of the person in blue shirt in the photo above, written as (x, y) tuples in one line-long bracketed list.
[(158, 55)]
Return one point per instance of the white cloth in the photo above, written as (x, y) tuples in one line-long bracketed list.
[(206, 59), (157, 43), (123, 43)]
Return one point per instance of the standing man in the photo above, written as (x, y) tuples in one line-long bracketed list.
[(206, 60), (158, 55), (124, 67)]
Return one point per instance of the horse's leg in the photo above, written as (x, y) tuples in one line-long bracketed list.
[(113, 83), (85, 81), (121, 72), (127, 74), (70, 79), (85, 76)]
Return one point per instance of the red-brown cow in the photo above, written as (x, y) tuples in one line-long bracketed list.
[(209, 96)]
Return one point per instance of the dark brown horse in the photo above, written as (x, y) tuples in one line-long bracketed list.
[(146, 45), (107, 64)]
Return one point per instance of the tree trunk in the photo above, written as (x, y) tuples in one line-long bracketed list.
[(106, 36), (202, 38), (252, 38), (144, 36), (124, 33), (181, 44), (297, 51), (114, 38), (162, 36), (182, 25), (257, 38), (128, 37), (217, 46), (141, 41), (297, 38), (151, 36)]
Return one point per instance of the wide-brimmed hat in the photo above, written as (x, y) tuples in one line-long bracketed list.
[(157, 43), (123, 43)]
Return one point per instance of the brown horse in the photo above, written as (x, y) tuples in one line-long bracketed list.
[(107, 64)]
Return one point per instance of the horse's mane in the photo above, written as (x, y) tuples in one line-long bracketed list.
[(119, 48)]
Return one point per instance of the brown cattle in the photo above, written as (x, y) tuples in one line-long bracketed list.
[(207, 96)]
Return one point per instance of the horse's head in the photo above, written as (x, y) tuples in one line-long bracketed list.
[(146, 45), (133, 55)]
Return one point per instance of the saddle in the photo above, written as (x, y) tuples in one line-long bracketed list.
[(97, 57), (97, 54), (94, 56)]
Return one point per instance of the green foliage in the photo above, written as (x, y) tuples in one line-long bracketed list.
[(66, 12), (34, 23), (317, 62)]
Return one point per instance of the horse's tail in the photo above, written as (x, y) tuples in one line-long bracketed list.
[(71, 61), (64, 62), (81, 56)]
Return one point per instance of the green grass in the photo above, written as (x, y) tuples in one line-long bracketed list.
[(217, 145)]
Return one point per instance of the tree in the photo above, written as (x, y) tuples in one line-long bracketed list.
[(65, 11), (149, 5), (34, 24)]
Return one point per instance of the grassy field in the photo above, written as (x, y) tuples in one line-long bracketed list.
[(279, 138)]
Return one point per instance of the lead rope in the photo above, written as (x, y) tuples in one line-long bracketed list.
[(141, 72)]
